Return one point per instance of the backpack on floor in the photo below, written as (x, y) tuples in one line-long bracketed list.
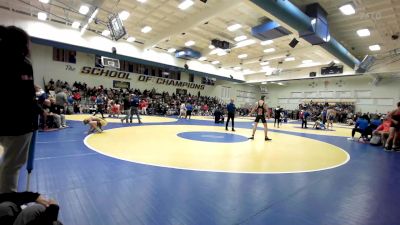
[(375, 140)]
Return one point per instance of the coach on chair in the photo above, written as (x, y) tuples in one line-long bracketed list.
[(231, 108)]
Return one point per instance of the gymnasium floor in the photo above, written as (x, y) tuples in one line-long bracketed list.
[(181, 172)]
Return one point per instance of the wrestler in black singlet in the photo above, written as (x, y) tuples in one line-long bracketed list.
[(260, 113)]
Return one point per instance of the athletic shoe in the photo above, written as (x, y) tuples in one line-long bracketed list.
[(251, 138), (233, 130), (226, 129), (268, 139)]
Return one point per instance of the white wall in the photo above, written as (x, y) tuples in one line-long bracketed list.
[(360, 89), (45, 68)]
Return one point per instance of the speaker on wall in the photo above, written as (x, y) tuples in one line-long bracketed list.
[(293, 43), (313, 74)]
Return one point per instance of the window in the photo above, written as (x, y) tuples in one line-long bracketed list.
[(191, 77), (64, 55)]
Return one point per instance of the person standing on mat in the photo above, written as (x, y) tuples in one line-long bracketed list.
[(277, 116), (261, 109), (189, 109), (231, 108), (135, 108), (16, 134), (100, 105)]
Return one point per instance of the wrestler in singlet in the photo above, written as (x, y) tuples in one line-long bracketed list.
[(260, 113)]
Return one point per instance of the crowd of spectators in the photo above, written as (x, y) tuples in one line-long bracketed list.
[(80, 98)]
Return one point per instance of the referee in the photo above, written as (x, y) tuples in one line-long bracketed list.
[(231, 115)]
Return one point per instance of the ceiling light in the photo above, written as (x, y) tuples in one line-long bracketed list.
[(374, 47), (146, 29), (336, 61), (347, 9), (83, 9), (240, 38), (313, 21), (141, 1), (44, 1), (185, 4), (245, 43), (363, 33), (203, 58), (130, 39), (234, 27), (268, 42), (307, 61), (172, 50), (211, 46), (42, 16), (215, 62), (247, 71), (124, 15), (237, 68), (268, 50), (280, 83), (242, 56), (266, 68), (221, 52), (288, 59), (105, 33), (215, 51), (264, 63), (189, 43), (76, 25)]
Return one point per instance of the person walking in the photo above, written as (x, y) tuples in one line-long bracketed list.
[(231, 108)]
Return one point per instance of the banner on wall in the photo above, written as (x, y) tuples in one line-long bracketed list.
[(121, 84), (106, 73), (170, 82), (142, 78)]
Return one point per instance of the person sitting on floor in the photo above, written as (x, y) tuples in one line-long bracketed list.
[(95, 123), (383, 131), (44, 212)]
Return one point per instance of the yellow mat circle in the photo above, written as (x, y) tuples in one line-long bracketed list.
[(211, 118), (337, 131), (145, 119), (160, 146)]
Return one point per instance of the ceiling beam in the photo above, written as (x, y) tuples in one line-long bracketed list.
[(199, 18)]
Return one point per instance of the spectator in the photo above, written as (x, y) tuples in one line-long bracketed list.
[(394, 128), (55, 111), (62, 100), (383, 130), (44, 212), (15, 134)]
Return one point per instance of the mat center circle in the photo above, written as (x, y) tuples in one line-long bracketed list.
[(208, 136)]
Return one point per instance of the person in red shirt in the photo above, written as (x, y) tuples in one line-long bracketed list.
[(77, 96), (383, 130)]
